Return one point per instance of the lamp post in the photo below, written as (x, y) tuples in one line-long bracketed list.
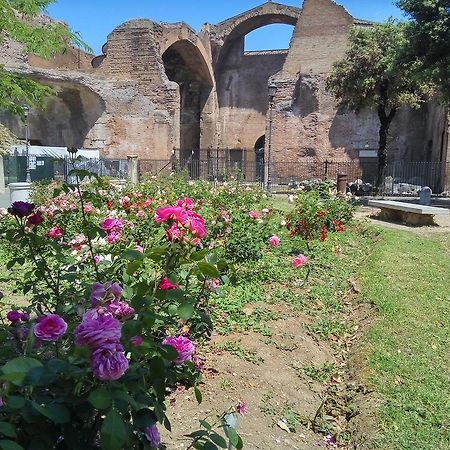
[(272, 92), (26, 111)]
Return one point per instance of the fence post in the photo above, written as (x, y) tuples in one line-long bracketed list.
[(133, 168)]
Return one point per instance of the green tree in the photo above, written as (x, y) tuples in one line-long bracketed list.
[(429, 36), (374, 74), (18, 23)]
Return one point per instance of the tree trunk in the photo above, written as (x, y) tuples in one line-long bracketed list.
[(385, 124)]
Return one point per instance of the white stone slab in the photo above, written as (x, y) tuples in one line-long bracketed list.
[(408, 207)]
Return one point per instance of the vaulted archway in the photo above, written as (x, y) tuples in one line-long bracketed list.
[(185, 65)]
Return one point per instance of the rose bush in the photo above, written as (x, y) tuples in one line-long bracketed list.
[(115, 284)]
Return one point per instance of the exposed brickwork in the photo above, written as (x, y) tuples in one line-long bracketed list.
[(161, 86)]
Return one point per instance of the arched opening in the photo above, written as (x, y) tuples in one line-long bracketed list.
[(66, 120), (185, 65), (269, 37), (242, 77), (259, 158)]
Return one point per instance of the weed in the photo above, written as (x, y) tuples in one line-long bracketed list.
[(235, 348), (321, 372)]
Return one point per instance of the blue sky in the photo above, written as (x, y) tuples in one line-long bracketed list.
[(95, 19)]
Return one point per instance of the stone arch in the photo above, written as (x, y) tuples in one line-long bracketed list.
[(185, 65), (233, 30), (66, 121)]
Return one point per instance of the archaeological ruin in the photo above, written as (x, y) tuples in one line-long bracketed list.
[(162, 89)]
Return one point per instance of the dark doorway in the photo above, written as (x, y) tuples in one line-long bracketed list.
[(259, 158), (185, 65)]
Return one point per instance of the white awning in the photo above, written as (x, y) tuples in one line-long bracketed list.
[(51, 152)]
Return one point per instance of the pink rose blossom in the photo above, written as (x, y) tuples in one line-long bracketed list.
[(50, 328), (55, 233), (174, 233), (197, 225), (213, 284), (111, 224), (104, 293), (254, 215), (113, 237), (137, 341), (167, 285), (98, 259), (274, 241), (241, 408), (125, 202), (140, 214), (168, 213), (88, 208), (187, 204), (183, 345), (120, 310), (196, 242), (97, 330), (139, 249), (300, 261), (109, 362)]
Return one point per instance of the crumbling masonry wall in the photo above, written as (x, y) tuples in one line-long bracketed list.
[(159, 87)]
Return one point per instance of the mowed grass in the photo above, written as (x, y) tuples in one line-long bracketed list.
[(407, 278)]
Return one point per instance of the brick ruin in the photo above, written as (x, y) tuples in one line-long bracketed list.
[(159, 87)]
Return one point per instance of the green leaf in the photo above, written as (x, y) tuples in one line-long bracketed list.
[(240, 444), (10, 445), (17, 369), (219, 440), (56, 412), (100, 399), (210, 446), (198, 256), (208, 270), (133, 267), (185, 311), (205, 425), (113, 434), (133, 255), (198, 395), (232, 436), (15, 402), (8, 430)]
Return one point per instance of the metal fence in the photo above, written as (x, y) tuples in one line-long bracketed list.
[(400, 178), (50, 168)]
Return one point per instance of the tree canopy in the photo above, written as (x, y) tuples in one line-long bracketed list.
[(375, 74), (18, 23), (429, 35)]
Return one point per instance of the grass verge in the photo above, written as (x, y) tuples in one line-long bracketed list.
[(407, 350)]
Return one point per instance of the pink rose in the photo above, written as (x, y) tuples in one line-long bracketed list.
[(274, 241), (183, 345), (168, 213), (137, 341), (88, 208), (55, 233), (254, 215), (97, 330), (50, 328), (109, 362), (300, 261), (167, 285)]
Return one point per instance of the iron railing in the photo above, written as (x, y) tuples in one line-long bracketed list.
[(400, 178)]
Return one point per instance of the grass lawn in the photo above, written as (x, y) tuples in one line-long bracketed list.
[(407, 278)]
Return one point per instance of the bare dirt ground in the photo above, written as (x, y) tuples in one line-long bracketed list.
[(275, 389)]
